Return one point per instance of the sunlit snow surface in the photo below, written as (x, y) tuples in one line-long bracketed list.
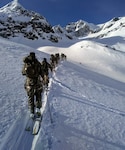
[(84, 107)]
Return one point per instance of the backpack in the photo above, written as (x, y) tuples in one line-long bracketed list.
[(44, 65), (30, 70)]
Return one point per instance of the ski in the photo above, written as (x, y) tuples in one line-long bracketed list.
[(33, 125), (37, 124), (29, 124)]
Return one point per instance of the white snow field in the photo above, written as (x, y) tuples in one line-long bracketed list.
[(84, 108)]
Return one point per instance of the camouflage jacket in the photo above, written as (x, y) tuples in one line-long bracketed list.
[(32, 70)]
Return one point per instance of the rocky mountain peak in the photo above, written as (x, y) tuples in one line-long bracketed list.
[(12, 7), (16, 21)]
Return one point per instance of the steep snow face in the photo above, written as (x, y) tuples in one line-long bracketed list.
[(114, 27)]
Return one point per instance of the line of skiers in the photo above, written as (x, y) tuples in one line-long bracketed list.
[(37, 78)]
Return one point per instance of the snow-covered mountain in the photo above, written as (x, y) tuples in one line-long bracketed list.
[(17, 22), (81, 28), (114, 27), (84, 108)]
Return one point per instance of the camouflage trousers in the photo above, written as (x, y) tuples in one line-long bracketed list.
[(46, 80), (34, 93)]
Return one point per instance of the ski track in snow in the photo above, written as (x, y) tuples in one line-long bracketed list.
[(23, 140), (82, 118), (13, 99)]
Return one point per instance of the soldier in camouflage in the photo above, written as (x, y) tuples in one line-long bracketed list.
[(32, 69), (46, 66)]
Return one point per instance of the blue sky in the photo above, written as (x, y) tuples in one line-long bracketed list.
[(65, 11)]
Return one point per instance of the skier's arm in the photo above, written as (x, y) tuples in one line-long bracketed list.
[(50, 67), (24, 70)]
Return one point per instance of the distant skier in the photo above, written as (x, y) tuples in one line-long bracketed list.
[(57, 56), (53, 61), (63, 56), (46, 66), (33, 71)]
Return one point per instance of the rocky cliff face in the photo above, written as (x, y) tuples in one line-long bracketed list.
[(17, 21), (79, 28)]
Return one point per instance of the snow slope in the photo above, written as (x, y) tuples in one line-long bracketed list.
[(85, 106), (13, 112), (94, 55), (87, 111)]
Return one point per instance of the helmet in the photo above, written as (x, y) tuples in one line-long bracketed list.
[(32, 55), (44, 59)]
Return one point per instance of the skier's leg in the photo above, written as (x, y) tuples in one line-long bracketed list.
[(30, 93), (46, 78), (38, 103), (38, 99)]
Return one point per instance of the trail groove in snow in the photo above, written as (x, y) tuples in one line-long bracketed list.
[(86, 113)]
